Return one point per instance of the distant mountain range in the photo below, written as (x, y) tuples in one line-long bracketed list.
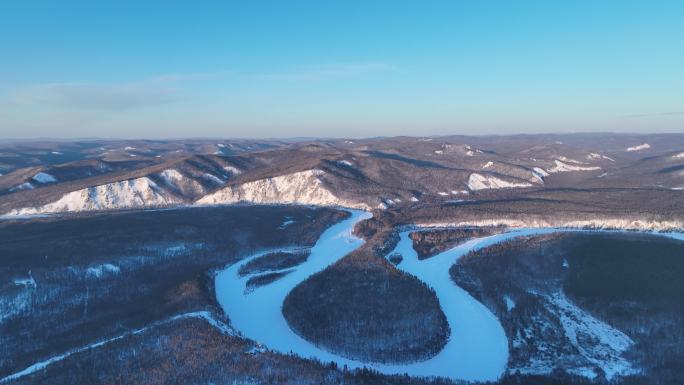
[(377, 173)]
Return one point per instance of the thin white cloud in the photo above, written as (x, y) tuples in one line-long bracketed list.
[(196, 76), (156, 90), (666, 113), (95, 96), (162, 89), (332, 71)]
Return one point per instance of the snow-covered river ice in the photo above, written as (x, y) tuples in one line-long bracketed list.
[(477, 349)]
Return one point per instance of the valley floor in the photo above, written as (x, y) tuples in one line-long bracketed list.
[(477, 348)]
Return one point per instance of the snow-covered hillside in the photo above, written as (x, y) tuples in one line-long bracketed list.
[(565, 167), (181, 183), (537, 222), (304, 187), (483, 182), (134, 193)]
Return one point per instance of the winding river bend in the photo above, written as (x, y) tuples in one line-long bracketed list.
[(477, 349)]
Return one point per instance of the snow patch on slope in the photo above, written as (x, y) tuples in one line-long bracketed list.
[(43, 177), (304, 187), (596, 156), (644, 146), (23, 186), (213, 178), (510, 304), (102, 270), (568, 160), (181, 182), (232, 170), (564, 167), (171, 176), (482, 182), (26, 282), (540, 174), (133, 193)]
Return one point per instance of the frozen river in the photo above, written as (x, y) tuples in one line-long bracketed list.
[(477, 349)]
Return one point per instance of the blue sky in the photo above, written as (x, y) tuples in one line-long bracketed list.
[(338, 68)]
